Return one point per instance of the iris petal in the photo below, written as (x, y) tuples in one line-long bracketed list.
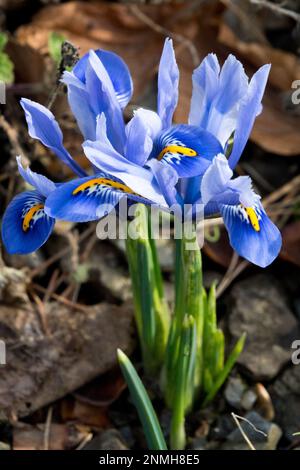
[(43, 126), (139, 143), (86, 199), (103, 100), (25, 226), (250, 108), (217, 185), (261, 246), (39, 182), (168, 78), (188, 149), (220, 96), (117, 71)]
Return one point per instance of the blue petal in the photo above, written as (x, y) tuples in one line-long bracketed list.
[(43, 126), (168, 78), (217, 185), (117, 71), (79, 102), (139, 143), (250, 108), (103, 156), (23, 239), (39, 182), (202, 145), (259, 247), (103, 100), (221, 104), (167, 179), (205, 86), (86, 199)]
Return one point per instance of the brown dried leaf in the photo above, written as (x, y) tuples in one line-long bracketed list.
[(291, 243), (285, 65), (61, 437), (102, 25)]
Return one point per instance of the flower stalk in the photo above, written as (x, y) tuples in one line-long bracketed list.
[(151, 312)]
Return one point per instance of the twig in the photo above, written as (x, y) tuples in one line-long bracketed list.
[(277, 9), (84, 441), (12, 136), (230, 276), (60, 299), (61, 253), (165, 32), (235, 417), (40, 307), (47, 428)]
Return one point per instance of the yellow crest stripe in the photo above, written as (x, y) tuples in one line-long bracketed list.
[(253, 218), (188, 152), (30, 214), (105, 182)]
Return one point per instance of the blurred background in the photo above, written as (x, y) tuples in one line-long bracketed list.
[(65, 309)]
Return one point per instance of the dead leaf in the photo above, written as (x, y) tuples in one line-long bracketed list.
[(81, 345), (285, 65), (103, 25), (291, 243), (220, 252), (104, 390), (85, 413), (61, 437)]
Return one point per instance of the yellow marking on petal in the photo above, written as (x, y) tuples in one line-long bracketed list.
[(30, 214), (177, 149), (253, 218), (104, 182)]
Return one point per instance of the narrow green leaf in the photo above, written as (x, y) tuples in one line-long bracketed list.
[(55, 42), (6, 69), (3, 40), (177, 433), (218, 357), (238, 348), (151, 426)]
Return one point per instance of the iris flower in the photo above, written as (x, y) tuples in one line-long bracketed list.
[(152, 161), (193, 163), (26, 225)]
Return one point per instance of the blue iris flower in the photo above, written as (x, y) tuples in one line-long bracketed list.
[(152, 161), (95, 99), (188, 160), (25, 225)]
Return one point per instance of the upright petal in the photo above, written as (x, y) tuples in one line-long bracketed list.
[(168, 78), (249, 109), (138, 143), (25, 226), (39, 182), (43, 126), (103, 100), (117, 71), (205, 86), (252, 234), (217, 185), (167, 179), (220, 97), (79, 102)]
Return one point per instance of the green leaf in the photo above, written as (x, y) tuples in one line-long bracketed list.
[(3, 41), (6, 69), (151, 426), (55, 42), (238, 348)]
